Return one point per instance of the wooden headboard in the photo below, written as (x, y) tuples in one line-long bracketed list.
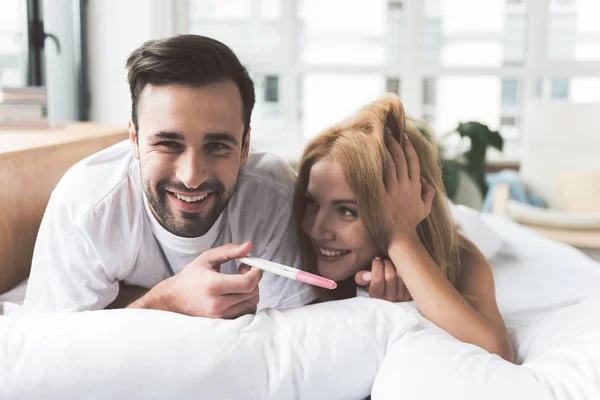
[(31, 164)]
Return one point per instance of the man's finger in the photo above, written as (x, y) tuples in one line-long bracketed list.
[(245, 268), (245, 307), (233, 299), (222, 254), (237, 283)]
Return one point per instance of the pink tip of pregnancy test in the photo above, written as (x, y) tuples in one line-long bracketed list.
[(315, 280)]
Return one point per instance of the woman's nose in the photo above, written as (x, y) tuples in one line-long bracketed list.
[(322, 229)]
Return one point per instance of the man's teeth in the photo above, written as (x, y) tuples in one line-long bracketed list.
[(190, 199), (331, 253)]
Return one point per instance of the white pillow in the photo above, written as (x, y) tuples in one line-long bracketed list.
[(475, 229), (330, 350), (430, 364), (535, 273), (560, 353)]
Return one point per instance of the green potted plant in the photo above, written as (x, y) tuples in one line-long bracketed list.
[(470, 161)]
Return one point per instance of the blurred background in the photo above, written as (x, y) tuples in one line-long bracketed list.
[(315, 61), (511, 86)]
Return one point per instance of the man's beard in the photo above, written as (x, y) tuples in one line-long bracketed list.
[(188, 224)]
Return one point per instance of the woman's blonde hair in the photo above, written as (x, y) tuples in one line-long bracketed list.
[(357, 145)]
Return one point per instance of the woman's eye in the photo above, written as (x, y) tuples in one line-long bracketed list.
[(311, 203), (347, 212)]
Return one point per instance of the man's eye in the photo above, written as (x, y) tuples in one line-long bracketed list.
[(217, 146), (170, 144)]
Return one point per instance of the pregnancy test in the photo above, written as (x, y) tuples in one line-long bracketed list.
[(288, 272)]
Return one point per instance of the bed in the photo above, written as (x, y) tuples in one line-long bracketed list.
[(548, 293)]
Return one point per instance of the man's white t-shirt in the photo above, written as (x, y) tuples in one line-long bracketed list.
[(98, 231)]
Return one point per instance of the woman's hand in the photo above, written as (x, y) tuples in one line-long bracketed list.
[(406, 197), (383, 282)]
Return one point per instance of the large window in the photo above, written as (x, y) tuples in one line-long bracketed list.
[(314, 61), (13, 45)]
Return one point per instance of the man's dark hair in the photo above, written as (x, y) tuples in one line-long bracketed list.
[(189, 60)]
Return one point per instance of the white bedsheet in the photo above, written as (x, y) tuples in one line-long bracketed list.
[(548, 293), (15, 295)]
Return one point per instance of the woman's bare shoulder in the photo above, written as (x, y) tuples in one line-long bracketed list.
[(476, 277)]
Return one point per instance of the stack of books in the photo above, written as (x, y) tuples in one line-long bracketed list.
[(23, 108)]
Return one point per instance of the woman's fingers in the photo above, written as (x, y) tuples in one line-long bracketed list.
[(377, 286), (412, 159), (389, 174), (383, 282), (362, 278), (403, 294), (427, 195), (397, 155), (391, 282)]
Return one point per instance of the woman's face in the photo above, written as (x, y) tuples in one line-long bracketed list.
[(331, 221)]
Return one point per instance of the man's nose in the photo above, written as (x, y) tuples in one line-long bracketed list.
[(191, 169)]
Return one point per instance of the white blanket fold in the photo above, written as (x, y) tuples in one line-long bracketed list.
[(325, 351)]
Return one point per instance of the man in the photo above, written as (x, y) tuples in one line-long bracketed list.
[(161, 210)]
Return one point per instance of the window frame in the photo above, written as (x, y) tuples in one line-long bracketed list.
[(411, 70)]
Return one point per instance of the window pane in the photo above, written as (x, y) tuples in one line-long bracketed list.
[(220, 10), (492, 33), (429, 91), (510, 94), (328, 98), (392, 85), (270, 129), (249, 27), (12, 63), (577, 90), (361, 33), (573, 30), (490, 100)]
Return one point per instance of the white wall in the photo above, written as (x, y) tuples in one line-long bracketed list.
[(115, 29)]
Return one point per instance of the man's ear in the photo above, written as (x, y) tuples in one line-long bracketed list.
[(246, 147), (133, 138)]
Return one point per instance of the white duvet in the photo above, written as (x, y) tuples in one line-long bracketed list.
[(547, 292)]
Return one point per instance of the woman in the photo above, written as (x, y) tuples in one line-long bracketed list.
[(398, 227)]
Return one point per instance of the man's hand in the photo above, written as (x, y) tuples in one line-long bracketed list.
[(127, 295), (383, 282), (200, 289)]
